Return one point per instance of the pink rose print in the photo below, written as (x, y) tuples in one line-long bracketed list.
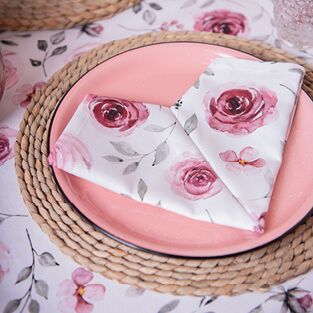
[(240, 111), (11, 76), (77, 290), (4, 260), (115, 116), (222, 21), (259, 228), (248, 161), (25, 93), (7, 139), (68, 151), (194, 179), (306, 302)]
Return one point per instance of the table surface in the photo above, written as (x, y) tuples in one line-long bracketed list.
[(34, 274)]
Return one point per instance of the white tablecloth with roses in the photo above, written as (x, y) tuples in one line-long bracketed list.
[(34, 275)]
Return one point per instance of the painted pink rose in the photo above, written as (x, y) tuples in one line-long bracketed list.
[(25, 93), (11, 76), (222, 21), (77, 290), (247, 161), (116, 117), (240, 110), (67, 152), (4, 260), (194, 179), (260, 227), (7, 139)]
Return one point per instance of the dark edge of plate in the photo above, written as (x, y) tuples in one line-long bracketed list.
[(137, 247)]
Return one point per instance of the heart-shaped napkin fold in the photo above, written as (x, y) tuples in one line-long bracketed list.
[(213, 156)]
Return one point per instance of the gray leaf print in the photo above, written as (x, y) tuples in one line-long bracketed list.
[(57, 38), (42, 288), (161, 153), (46, 259), (296, 70), (112, 158), (188, 3), (169, 306), (207, 3), (33, 306), (269, 178), (130, 168), (59, 50), (191, 124), (142, 189), (149, 17), (209, 72), (197, 84), (155, 128), (123, 148), (12, 306), (23, 274), (134, 292)]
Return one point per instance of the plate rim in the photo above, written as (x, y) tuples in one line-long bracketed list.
[(130, 244)]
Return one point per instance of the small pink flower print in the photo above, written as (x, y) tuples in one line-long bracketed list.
[(77, 290), (116, 117), (222, 21), (11, 76), (194, 179), (7, 139), (98, 29), (25, 93), (306, 301), (4, 260), (173, 24), (248, 161), (240, 110), (91, 29), (67, 152)]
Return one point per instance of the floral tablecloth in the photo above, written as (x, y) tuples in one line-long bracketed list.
[(34, 275)]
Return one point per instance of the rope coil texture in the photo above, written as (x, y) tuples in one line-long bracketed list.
[(27, 15)]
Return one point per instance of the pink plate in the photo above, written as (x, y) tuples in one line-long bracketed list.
[(161, 74)]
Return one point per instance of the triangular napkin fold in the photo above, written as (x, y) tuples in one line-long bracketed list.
[(213, 156)]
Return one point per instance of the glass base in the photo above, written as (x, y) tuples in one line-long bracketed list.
[(295, 45)]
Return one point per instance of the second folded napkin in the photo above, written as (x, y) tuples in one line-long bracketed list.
[(212, 156)]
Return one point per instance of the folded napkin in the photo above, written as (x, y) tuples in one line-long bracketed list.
[(213, 156)]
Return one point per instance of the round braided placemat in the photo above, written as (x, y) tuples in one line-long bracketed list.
[(25, 15), (255, 270)]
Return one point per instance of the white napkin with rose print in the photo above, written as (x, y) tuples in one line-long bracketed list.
[(213, 156)]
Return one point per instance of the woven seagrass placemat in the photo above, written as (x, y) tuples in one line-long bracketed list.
[(25, 15), (255, 270)]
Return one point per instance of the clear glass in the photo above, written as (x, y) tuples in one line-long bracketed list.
[(2, 75), (294, 22)]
